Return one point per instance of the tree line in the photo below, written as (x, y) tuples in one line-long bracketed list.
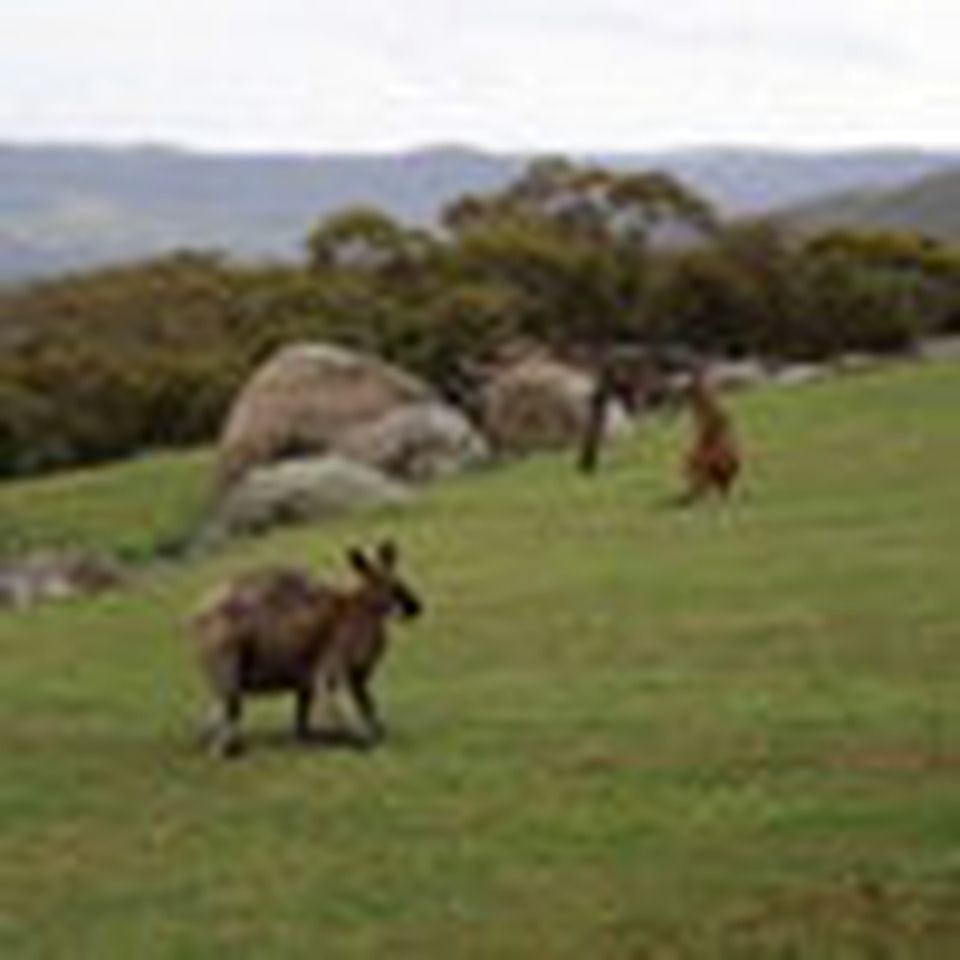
[(107, 363)]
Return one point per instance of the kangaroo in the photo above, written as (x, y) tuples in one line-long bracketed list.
[(713, 461), (282, 630)]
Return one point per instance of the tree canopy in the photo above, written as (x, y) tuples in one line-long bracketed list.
[(110, 362)]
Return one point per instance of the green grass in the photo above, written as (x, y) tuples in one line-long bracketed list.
[(133, 510), (622, 731)]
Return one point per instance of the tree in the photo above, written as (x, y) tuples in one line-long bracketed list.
[(574, 243), (878, 290), (368, 241), (741, 293)]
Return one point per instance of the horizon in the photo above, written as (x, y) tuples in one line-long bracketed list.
[(716, 148)]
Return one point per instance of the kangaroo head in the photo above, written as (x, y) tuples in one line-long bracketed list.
[(389, 594)]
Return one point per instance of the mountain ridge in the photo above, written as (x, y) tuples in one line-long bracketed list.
[(930, 206), (73, 206)]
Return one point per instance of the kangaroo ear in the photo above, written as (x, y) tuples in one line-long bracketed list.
[(358, 561), (388, 554)]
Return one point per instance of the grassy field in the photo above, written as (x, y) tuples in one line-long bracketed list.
[(622, 731), (134, 510)]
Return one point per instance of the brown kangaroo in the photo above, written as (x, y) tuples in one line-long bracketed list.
[(282, 630), (714, 459)]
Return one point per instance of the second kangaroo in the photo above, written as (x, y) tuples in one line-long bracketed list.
[(714, 458)]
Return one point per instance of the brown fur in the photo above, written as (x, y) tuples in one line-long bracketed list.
[(714, 460), (280, 629)]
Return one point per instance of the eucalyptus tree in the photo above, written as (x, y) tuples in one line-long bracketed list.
[(575, 244)]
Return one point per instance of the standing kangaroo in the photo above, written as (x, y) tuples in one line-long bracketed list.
[(282, 630), (714, 460)]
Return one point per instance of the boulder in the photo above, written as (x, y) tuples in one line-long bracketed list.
[(850, 363), (300, 491), (940, 348), (417, 442), (798, 374), (303, 400), (737, 374), (56, 575), (541, 403)]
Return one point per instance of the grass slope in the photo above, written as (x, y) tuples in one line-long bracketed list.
[(134, 509), (929, 206), (622, 731)]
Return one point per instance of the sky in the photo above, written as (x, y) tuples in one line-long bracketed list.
[(510, 75)]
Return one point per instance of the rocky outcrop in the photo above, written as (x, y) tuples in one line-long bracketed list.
[(416, 443), (540, 404), (56, 575), (304, 400), (300, 491)]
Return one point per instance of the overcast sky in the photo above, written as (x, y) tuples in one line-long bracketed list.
[(322, 75)]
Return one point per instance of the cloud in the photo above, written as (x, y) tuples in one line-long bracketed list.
[(325, 74)]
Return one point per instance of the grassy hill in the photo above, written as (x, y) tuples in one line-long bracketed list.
[(621, 731), (929, 206), (132, 509)]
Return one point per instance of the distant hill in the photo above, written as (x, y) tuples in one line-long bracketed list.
[(756, 180), (930, 206), (67, 207)]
